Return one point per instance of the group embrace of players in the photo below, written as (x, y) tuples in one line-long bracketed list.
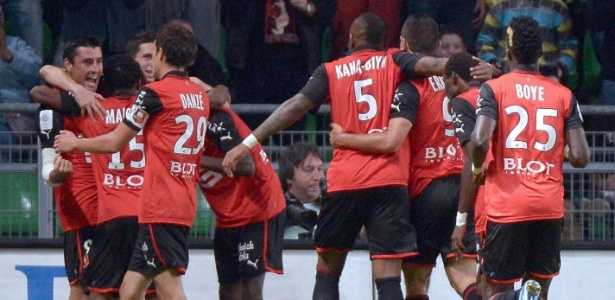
[(411, 148)]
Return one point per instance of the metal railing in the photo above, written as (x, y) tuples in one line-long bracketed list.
[(27, 209)]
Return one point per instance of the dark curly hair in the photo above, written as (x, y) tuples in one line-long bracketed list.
[(460, 63), (523, 39), (421, 33), (120, 72), (132, 47), (292, 157), (178, 43), (70, 47)]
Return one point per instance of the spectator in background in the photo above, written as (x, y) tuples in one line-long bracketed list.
[(601, 26), (141, 47), (300, 171), (114, 22), (272, 47), (26, 18), (559, 47), (451, 42), (203, 15), (466, 15), (19, 65), (348, 10), (204, 67)]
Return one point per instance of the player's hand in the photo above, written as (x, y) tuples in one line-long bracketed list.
[(479, 179), (335, 135), (64, 142), (483, 71), (219, 96), (480, 11), (232, 157), (62, 166), (89, 103), (457, 240)]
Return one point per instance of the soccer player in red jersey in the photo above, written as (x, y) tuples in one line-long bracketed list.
[(462, 89), (249, 208), (435, 162), (528, 120), (119, 177), (75, 193), (365, 189), (172, 113), (141, 48)]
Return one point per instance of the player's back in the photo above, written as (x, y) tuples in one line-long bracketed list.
[(119, 175), (239, 201), (361, 89), (174, 138), (435, 151), (528, 146)]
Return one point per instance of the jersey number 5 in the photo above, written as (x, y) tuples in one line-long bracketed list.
[(367, 98)]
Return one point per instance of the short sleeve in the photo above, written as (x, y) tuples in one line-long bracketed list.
[(317, 88), (147, 104), (486, 104), (222, 131), (464, 119), (407, 62), (575, 119), (405, 101), (69, 106), (50, 122)]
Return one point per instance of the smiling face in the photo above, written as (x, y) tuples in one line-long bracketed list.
[(145, 58), (450, 44), (86, 68)]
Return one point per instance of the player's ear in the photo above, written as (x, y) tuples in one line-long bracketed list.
[(403, 46)]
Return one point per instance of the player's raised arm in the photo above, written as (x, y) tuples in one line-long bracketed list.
[(285, 115)]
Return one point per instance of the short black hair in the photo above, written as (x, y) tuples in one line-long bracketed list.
[(132, 47), (120, 72), (421, 33), (292, 157), (374, 28), (523, 39), (178, 43), (70, 47), (460, 63)]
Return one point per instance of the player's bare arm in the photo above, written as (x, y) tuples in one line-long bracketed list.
[(467, 200), (387, 141), (480, 145), (217, 96), (46, 95), (111, 142), (287, 114), (579, 153), (245, 167), (87, 100)]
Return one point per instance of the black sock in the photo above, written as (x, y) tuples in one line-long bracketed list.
[(326, 287), (389, 288), (471, 293)]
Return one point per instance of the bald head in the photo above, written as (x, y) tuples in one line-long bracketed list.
[(368, 29)]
